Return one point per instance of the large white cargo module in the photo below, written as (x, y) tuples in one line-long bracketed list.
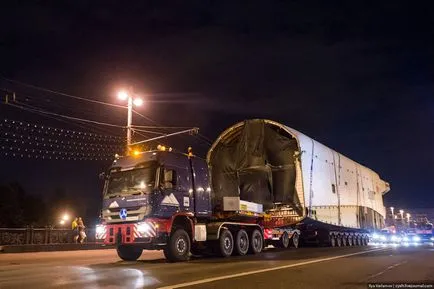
[(327, 186)]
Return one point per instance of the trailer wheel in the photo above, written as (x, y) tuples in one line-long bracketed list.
[(359, 241), (350, 241), (332, 241), (225, 245), (129, 253), (344, 241), (242, 243), (295, 240), (283, 241), (365, 241), (178, 247), (339, 240), (256, 242)]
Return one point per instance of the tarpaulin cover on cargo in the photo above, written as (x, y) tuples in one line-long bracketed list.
[(255, 161)]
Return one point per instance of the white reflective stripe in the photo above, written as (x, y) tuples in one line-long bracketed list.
[(213, 279)]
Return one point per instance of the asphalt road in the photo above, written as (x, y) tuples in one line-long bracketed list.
[(302, 268)]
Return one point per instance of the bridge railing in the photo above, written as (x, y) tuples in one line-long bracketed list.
[(40, 236)]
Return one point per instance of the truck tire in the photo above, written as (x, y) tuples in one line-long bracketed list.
[(359, 241), (256, 242), (284, 241), (129, 253), (225, 243), (344, 241), (339, 240), (350, 241), (366, 241), (332, 241), (295, 240), (178, 246), (241, 243)]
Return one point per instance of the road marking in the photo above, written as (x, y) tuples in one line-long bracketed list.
[(208, 280), (387, 269)]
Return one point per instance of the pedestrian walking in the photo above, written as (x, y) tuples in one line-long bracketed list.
[(81, 232), (75, 232)]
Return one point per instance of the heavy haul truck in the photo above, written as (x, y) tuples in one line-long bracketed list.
[(262, 183)]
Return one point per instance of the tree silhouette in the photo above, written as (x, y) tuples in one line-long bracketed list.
[(19, 209)]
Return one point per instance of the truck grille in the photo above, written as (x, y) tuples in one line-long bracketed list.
[(137, 213)]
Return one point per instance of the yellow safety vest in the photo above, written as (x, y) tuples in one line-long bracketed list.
[(74, 224)]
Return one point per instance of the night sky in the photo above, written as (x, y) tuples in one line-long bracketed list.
[(356, 77)]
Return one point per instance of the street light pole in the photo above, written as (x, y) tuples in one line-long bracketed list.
[(129, 123), (128, 96)]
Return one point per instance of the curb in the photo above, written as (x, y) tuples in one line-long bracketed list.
[(52, 247)]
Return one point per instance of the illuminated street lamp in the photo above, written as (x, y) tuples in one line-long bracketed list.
[(62, 222), (65, 217), (127, 95)]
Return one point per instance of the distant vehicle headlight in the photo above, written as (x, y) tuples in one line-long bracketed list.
[(405, 239), (416, 238), (395, 238), (383, 238), (375, 236)]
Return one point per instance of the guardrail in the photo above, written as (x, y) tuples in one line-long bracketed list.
[(40, 236)]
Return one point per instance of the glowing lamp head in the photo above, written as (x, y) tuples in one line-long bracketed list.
[(122, 95), (138, 102), (136, 152), (62, 222), (65, 217)]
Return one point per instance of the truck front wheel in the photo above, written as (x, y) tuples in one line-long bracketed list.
[(178, 246), (129, 253)]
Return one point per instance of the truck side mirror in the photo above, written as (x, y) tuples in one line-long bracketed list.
[(102, 176)]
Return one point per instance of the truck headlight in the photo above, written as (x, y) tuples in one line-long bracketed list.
[(143, 228), (146, 229), (405, 239), (100, 232), (416, 239), (383, 238), (375, 236)]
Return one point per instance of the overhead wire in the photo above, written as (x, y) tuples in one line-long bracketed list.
[(14, 137), (92, 122), (65, 116), (90, 125), (148, 131), (61, 93)]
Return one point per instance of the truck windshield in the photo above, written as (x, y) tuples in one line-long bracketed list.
[(136, 181)]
